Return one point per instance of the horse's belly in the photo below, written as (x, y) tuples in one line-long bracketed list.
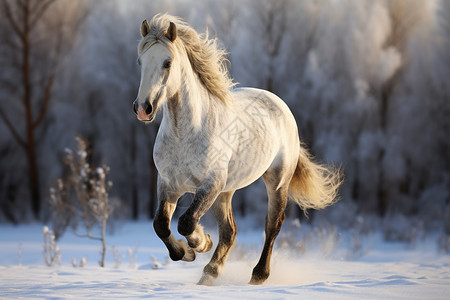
[(238, 181)]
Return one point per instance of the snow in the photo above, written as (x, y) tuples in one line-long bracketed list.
[(321, 271)]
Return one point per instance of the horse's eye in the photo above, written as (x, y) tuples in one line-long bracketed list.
[(167, 64)]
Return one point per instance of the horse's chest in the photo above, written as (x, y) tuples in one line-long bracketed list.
[(178, 162)]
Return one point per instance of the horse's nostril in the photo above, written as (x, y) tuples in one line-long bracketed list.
[(148, 109), (135, 106)]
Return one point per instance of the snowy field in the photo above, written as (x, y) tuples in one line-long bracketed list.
[(321, 265)]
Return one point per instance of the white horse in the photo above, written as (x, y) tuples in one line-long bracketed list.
[(214, 140)]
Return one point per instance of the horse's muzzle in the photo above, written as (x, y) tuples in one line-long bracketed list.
[(143, 111)]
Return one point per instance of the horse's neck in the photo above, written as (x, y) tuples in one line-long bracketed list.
[(190, 110)]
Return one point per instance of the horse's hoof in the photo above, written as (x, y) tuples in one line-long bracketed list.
[(258, 279), (176, 256), (254, 281), (189, 255), (206, 280), (177, 250), (207, 245)]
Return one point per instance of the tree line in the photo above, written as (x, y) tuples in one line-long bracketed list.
[(368, 82)]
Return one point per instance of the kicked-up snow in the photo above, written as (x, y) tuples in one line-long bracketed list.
[(137, 267)]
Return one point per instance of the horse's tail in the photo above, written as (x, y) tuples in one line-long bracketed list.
[(314, 185)]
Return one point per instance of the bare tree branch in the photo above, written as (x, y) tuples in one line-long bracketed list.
[(45, 100), (12, 43), (23, 4), (39, 10), (12, 129), (9, 16), (88, 235), (49, 84)]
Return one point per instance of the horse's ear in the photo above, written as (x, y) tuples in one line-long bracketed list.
[(171, 33), (145, 28)]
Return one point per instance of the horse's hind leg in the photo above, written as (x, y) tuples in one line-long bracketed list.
[(274, 221), (223, 213)]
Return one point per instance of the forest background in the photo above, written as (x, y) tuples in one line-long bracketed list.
[(368, 83)]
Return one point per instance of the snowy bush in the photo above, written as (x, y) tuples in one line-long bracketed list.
[(63, 210), (132, 253), (82, 263), (297, 239), (117, 258), (400, 228), (52, 254), (91, 205)]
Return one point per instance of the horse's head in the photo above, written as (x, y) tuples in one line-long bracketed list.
[(160, 74)]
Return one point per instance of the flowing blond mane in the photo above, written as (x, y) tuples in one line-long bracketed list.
[(206, 58)]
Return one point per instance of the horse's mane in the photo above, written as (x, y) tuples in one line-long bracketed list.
[(206, 58)]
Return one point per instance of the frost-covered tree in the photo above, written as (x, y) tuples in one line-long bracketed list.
[(367, 82), (223, 20), (365, 97), (266, 29)]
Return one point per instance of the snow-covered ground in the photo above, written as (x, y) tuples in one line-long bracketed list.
[(321, 265)]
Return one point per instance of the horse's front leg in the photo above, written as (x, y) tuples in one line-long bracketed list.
[(188, 225), (178, 249)]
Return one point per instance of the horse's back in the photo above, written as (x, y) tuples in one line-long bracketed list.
[(268, 111), (250, 99)]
